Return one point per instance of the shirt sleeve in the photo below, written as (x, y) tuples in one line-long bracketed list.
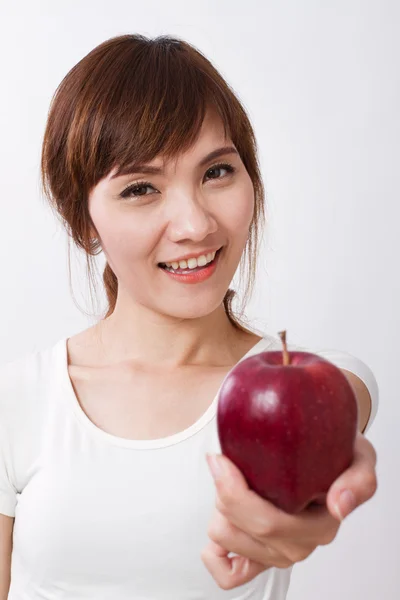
[(344, 360), (8, 492)]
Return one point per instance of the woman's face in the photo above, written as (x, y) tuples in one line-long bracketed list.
[(191, 207)]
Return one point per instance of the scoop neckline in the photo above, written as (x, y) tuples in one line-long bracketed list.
[(146, 444)]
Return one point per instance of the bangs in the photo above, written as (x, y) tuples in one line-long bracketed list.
[(143, 98)]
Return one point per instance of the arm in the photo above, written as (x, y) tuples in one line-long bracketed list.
[(6, 529), (363, 398)]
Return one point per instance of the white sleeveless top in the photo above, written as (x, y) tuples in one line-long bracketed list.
[(98, 517)]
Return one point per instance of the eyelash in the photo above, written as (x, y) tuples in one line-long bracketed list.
[(139, 184)]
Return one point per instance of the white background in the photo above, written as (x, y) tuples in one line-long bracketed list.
[(320, 81)]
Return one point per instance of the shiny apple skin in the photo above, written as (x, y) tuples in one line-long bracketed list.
[(290, 429)]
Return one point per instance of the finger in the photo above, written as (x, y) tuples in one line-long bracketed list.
[(261, 519), (229, 572), (246, 509), (232, 539), (359, 479)]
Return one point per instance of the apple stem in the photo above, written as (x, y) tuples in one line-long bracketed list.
[(286, 356)]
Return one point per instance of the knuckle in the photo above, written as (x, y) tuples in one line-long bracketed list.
[(221, 506), (303, 555), (328, 536), (214, 532), (264, 529), (371, 484), (297, 555), (224, 498), (225, 583), (218, 532), (371, 450)]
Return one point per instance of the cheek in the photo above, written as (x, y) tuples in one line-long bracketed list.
[(240, 210), (125, 238)]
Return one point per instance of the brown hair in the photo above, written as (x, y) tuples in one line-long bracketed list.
[(130, 99)]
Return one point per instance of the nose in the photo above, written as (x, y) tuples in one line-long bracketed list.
[(189, 219)]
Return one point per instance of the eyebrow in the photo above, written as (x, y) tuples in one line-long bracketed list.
[(142, 168)]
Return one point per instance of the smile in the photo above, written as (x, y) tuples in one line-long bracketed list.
[(192, 270)]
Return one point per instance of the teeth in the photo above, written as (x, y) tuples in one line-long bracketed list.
[(192, 263), (202, 260)]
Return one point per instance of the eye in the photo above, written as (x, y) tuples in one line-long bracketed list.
[(136, 189), (221, 166)]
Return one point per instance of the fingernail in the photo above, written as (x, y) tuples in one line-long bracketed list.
[(235, 562), (246, 567), (346, 504), (215, 465)]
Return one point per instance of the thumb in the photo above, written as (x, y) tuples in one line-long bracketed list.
[(355, 485)]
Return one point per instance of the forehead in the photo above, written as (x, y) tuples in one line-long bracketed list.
[(211, 136), (212, 126)]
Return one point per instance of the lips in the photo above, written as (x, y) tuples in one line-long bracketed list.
[(193, 276)]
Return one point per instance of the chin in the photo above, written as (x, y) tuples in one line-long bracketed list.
[(189, 309)]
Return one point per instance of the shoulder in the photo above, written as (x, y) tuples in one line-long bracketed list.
[(24, 384), (23, 377)]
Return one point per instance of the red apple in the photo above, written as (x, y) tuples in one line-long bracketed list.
[(288, 421)]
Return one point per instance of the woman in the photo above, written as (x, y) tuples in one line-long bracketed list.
[(149, 157)]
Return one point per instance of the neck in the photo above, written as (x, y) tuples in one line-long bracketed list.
[(160, 341)]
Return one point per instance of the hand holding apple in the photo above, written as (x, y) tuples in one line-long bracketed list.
[(263, 535)]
